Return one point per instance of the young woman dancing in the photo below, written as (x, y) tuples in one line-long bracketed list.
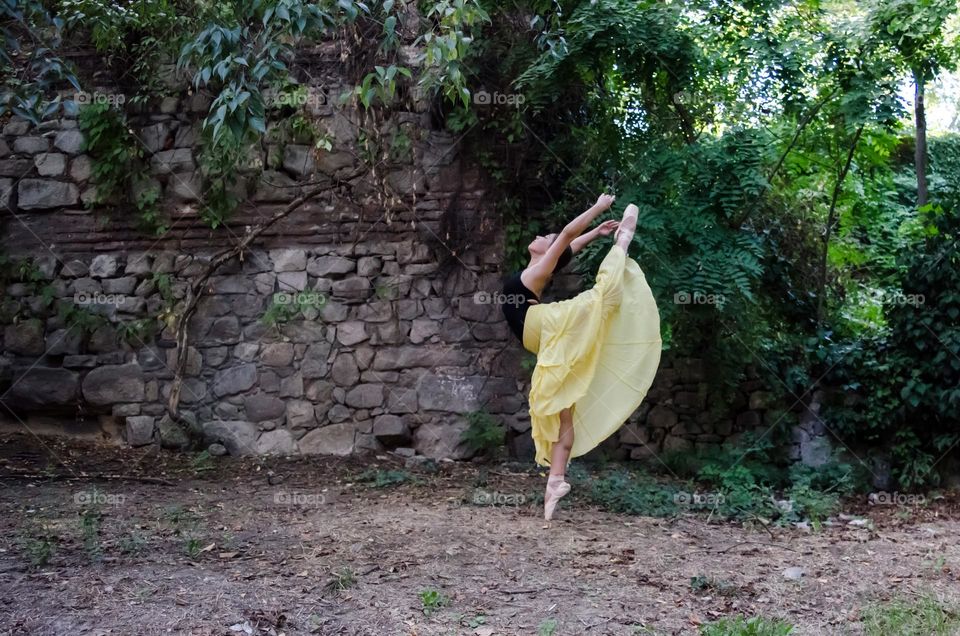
[(597, 353)]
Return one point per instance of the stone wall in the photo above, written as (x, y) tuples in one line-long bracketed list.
[(389, 351), (392, 350)]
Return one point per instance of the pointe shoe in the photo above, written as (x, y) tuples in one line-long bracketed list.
[(629, 221), (556, 489)]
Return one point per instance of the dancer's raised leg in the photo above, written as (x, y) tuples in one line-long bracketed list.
[(559, 456), (628, 224)]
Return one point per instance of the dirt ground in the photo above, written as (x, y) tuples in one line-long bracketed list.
[(301, 546)]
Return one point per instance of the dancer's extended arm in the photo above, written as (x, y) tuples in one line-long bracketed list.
[(604, 229), (570, 232)]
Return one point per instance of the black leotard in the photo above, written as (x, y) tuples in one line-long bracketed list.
[(515, 303), (517, 296)]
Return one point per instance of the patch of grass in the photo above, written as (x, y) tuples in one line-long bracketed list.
[(732, 483), (90, 531), (192, 547), (577, 474), (227, 540), (202, 462), (134, 542), (180, 519), (934, 564), (432, 600), (923, 616), (812, 504), (740, 626), (478, 620), (342, 579), (485, 434), (380, 478), (482, 477), (632, 493), (712, 585), (547, 627), (38, 545), (175, 514)]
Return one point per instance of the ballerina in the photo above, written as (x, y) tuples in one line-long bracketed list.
[(597, 353)]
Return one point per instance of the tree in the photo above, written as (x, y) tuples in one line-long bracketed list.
[(915, 29)]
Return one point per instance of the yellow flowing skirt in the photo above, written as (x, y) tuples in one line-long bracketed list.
[(597, 354)]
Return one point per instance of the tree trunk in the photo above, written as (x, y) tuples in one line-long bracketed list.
[(831, 221), (920, 153)]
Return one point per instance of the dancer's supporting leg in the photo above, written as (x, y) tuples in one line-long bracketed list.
[(559, 456)]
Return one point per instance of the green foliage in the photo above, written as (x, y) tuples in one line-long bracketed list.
[(446, 47), (90, 531), (193, 548), (384, 478), (911, 371), (731, 127), (911, 617), (133, 543), (202, 462), (38, 545), (740, 626), (473, 622), (219, 166), (711, 585), (79, 317), (111, 23), (31, 71), (285, 307), (917, 31), (381, 85), (547, 627), (485, 433), (239, 61), (240, 55), (137, 332), (632, 493), (120, 172), (23, 271), (744, 482), (432, 600), (341, 580), (134, 35)]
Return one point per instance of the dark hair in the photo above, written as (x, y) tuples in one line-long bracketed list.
[(564, 259)]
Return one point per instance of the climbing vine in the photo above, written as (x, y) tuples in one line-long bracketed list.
[(120, 171)]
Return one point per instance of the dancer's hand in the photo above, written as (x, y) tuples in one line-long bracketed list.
[(605, 201), (607, 228)]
